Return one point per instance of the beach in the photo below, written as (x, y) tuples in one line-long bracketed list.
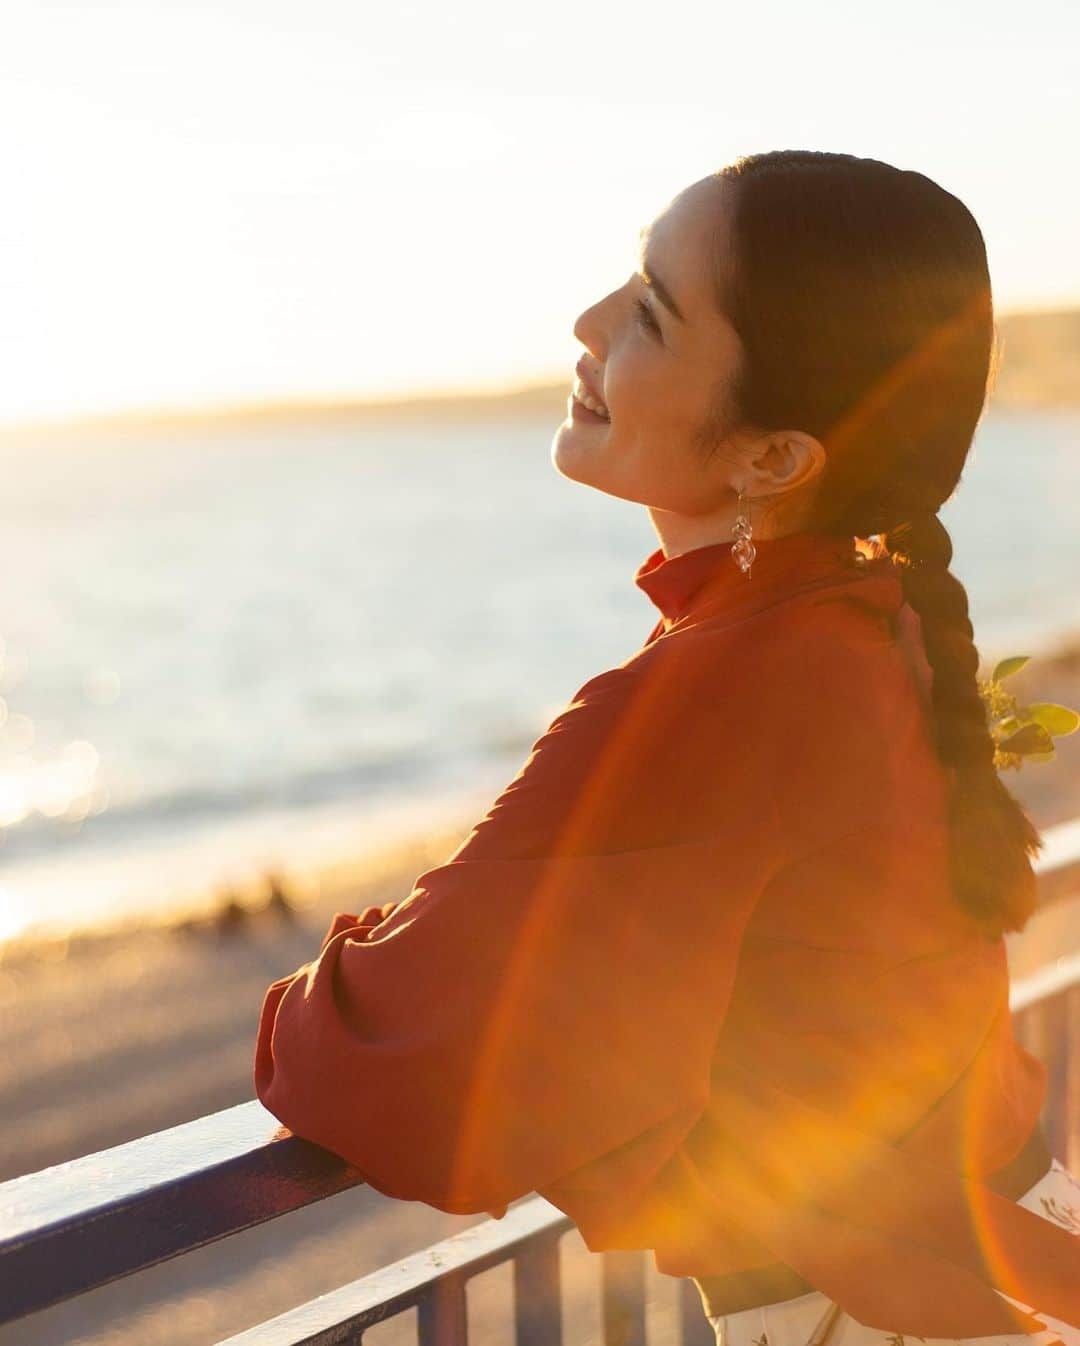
[(116, 1033)]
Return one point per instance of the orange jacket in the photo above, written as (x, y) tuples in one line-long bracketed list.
[(697, 977)]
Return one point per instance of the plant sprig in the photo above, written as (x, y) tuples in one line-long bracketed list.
[(1022, 732)]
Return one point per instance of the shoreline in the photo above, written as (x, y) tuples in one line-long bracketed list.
[(303, 890), (179, 878)]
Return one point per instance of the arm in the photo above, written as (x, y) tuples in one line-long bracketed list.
[(554, 990)]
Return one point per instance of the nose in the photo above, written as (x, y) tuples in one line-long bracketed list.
[(589, 329)]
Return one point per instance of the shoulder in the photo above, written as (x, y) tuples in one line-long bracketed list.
[(819, 688), (826, 637)]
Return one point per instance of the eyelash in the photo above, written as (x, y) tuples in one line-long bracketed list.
[(645, 317)]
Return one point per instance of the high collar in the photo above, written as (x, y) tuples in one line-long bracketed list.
[(677, 585)]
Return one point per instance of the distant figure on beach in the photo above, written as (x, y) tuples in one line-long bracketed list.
[(230, 914), (277, 899), (721, 972)]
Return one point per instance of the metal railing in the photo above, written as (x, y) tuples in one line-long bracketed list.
[(79, 1225)]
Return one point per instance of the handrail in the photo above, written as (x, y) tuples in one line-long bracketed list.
[(1057, 866), (1050, 981), (78, 1225)]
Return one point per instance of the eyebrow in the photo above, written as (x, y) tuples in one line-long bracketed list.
[(655, 283)]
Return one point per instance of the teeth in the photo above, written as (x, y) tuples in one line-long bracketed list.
[(580, 395)]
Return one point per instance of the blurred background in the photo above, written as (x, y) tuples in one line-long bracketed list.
[(290, 584)]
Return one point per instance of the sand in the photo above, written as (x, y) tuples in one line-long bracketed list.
[(114, 1035)]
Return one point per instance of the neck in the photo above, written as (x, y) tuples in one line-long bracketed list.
[(678, 533)]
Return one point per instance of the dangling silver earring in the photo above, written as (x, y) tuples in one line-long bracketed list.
[(743, 550)]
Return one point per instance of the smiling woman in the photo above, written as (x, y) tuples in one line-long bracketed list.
[(721, 972)]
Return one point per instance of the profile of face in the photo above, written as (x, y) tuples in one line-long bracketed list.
[(662, 359)]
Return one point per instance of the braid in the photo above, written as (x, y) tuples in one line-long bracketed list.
[(992, 838)]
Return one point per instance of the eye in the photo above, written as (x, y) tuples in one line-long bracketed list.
[(645, 317)]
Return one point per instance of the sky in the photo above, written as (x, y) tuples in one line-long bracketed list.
[(229, 202)]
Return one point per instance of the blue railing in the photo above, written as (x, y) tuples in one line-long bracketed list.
[(79, 1225)]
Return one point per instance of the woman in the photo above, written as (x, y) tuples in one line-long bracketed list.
[(721, 972)]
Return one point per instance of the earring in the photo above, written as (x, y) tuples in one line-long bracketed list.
[(743, 550)]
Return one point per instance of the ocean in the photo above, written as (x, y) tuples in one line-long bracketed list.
[(241, 648)]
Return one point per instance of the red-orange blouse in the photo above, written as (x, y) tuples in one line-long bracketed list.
[(697, 977)]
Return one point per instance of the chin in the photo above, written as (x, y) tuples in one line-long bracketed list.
[(577, 460), (570, 454)]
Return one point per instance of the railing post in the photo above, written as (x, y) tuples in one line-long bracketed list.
[(695, 1328), (623, 1279), (537, 1295), (1070, 1103), (1045, 1034), (1056, 1020), (442, 1314)]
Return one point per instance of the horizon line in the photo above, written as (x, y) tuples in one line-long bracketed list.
[(424, 398), (445, 397)]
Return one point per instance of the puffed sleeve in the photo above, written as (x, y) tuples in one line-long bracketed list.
[(554, 990)]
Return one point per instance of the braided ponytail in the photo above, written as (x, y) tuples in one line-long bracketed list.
[(861, 296), (992, 839)]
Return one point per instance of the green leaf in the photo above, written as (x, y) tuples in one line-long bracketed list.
[(1056, 720), (1008, 724), (1032, 738), (1006, 667)]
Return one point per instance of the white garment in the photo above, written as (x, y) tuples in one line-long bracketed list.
[(794, 1322)]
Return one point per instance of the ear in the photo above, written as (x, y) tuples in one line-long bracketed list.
[(784, 460)]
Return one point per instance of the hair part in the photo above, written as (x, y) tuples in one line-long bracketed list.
[(861, 295)]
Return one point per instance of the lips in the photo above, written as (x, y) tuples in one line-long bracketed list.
[(580, 412), (590, 387)]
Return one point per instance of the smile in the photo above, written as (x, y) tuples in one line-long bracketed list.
[(584, 399)]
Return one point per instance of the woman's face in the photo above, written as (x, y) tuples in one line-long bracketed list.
[(661, 358)]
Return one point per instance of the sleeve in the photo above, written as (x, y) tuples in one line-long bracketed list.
[(554, 990)]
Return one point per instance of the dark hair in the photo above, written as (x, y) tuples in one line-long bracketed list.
[(862, 298)]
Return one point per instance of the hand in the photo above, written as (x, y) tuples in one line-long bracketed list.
[(373, 915)]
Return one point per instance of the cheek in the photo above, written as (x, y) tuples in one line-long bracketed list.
[(640, 388), (653, 402)]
